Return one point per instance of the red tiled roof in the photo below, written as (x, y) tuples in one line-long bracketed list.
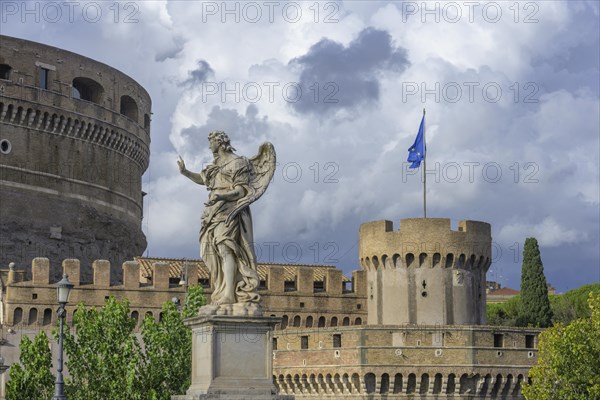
[(175, 266), (505, 291)]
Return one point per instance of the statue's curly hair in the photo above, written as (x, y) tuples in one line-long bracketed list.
[(222, 138)]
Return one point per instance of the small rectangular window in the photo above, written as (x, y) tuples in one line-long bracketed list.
[(44, 74), (262, 285), (34, 296), (347, 287), (274, 343), (301, 305), (204, 282), (304, 342), (498, 340), (530, 341), (289, 286), (337, 340), (318, 287)]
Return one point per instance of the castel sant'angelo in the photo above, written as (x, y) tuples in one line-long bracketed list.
[(74, 143)]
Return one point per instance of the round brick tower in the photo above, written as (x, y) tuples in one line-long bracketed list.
[(425, 273), (74, 143)]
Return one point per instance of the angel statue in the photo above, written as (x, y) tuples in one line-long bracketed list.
[(233, 182)]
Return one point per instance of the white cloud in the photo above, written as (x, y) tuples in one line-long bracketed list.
[(351, 160), (548, 232)]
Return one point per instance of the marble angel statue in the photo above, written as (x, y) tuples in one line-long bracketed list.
[(226, 242)]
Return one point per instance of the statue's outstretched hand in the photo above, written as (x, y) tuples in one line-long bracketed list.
[(181, 164)]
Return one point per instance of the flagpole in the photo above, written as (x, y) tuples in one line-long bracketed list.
[(424, 170)]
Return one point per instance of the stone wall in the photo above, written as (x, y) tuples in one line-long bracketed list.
[(379, 362), (74, 143), (426, 273)]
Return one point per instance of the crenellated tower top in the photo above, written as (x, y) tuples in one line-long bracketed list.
[(425, 272)]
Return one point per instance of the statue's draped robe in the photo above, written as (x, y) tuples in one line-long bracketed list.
[(237, 236)]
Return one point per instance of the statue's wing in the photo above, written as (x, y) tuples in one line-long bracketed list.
[(262, 171)]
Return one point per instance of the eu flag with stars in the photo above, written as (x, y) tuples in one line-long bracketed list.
[(416, 152)]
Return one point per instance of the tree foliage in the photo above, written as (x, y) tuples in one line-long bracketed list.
[(168, 348), (103, 354), (565, 307), (32, 379), (568, 367), (535, 305), (106, 359), (505, 313)]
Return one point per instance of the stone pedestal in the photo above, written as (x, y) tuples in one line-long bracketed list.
[(232, 358)]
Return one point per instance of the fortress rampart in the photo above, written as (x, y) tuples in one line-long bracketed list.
[(425, 273), (74, 144), (319, 297), (404, 362)]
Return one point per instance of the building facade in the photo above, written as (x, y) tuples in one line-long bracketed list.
[(74, 143), (425, 336)]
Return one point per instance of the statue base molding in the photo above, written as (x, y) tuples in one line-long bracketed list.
[(232, 358)]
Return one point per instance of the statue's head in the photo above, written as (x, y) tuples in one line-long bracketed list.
[(221, 138)]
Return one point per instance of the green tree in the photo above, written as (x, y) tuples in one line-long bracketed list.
[(194, 300), (104, 355), (505, 313), (535, 305), (568, 367), (32, 379), (168, 348)]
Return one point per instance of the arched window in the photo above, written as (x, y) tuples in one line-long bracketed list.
[(424, 388), (321, 322), (437, 384), (284, 322), (47, 316), (358, 321), (5, 71), (33, 314), (18, 316), (309, 321), (87, 89), (129, 108), (412, 383), (370, 382), (297, 321), (135, 316), (451, 385), (398, 383), (385, 384), (346, 321), (334, 321)]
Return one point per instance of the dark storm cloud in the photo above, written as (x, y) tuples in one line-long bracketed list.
[(346, 76), (239, 127), (200, 74)]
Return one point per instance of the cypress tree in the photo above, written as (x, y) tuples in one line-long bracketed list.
[(535, 305)]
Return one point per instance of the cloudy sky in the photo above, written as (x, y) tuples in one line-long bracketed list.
[(511, 91)]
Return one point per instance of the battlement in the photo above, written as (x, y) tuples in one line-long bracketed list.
[(425, 242), (425, 272), (311, 294)]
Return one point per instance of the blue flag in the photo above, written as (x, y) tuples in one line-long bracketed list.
[(416, 152)]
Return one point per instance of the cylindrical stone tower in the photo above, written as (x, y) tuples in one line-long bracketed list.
[(425, 273), (74, 143)]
